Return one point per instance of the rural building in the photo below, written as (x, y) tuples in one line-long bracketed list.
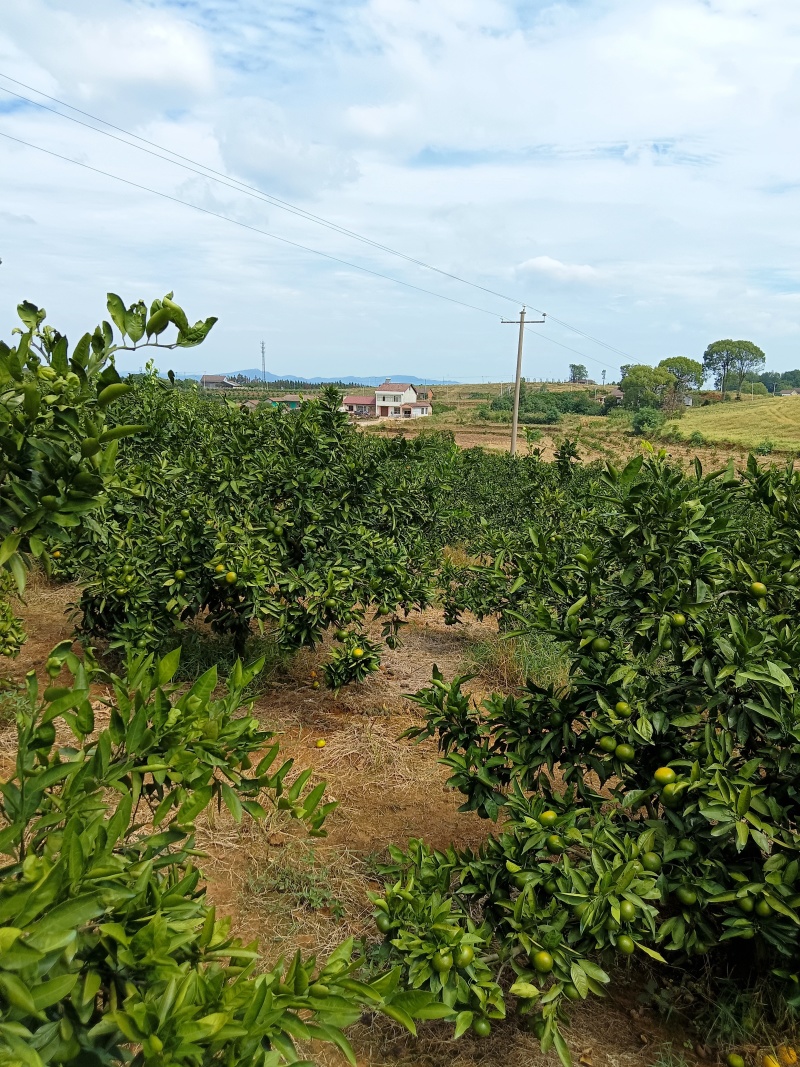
[(217, 381), (399, 400), (613, 396), (361, 406), (291, 401), (790, 392)]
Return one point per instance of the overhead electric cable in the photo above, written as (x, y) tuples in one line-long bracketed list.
[(245, 225), (234, 183)]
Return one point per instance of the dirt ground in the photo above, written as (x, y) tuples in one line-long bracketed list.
[(597, 440), (289, 891)]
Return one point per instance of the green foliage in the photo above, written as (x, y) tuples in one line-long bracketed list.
[(726, 360), (645, 386), (291, 522), (57, 442), (107, 939), (671, 828), (647, 420), (688, 373), (543, 407)]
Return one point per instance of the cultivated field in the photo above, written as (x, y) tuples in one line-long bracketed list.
[(748, 424)]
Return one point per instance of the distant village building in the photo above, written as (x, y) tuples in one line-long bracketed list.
[(290, 401), (362, 407), (399, 400), (613, 396), (790, 392), (217, 381)]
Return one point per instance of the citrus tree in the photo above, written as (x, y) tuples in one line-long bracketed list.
[(293, 522), (650, 806), (108, 944), (57, 441)]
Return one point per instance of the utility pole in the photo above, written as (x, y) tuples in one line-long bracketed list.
[(515, 416), (263, 364)]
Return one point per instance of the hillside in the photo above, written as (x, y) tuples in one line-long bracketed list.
[(748, 423)]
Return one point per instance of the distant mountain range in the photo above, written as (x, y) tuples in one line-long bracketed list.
[(255, 372)]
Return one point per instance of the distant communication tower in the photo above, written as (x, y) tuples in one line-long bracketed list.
[(263, 363)]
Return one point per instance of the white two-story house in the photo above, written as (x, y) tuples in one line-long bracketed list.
[(398, 400)]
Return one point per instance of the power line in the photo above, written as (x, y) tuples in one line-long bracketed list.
[(245, 225), (560, 344), (284, 240), (234, 183)]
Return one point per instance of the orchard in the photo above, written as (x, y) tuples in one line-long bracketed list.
[(645, 812)]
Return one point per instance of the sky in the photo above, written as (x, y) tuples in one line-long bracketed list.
[(631, 168)]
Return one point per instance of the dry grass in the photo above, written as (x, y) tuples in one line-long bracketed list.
[(747, 424), (506, 663)]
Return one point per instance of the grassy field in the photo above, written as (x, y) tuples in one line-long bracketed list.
[(751, 423)]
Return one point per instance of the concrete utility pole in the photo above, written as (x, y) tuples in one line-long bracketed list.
[(515, 416)]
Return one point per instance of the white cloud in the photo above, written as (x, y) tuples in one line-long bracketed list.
[(561, 272), (628, 167)]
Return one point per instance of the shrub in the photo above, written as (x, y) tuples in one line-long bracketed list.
[(647, 421), (671, 826)]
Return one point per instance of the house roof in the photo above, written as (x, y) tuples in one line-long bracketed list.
[(423, 404), (395, 387), (286, 397), (217, 378), (365, 401)]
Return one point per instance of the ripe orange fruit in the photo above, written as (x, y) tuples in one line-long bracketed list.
[(358, 653), (321, 742), (787, 1056)]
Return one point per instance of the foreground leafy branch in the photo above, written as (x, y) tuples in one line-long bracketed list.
[(109, 952)]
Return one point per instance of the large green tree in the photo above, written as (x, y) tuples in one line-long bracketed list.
[(688, 373), (726, 359), (645, 386)]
